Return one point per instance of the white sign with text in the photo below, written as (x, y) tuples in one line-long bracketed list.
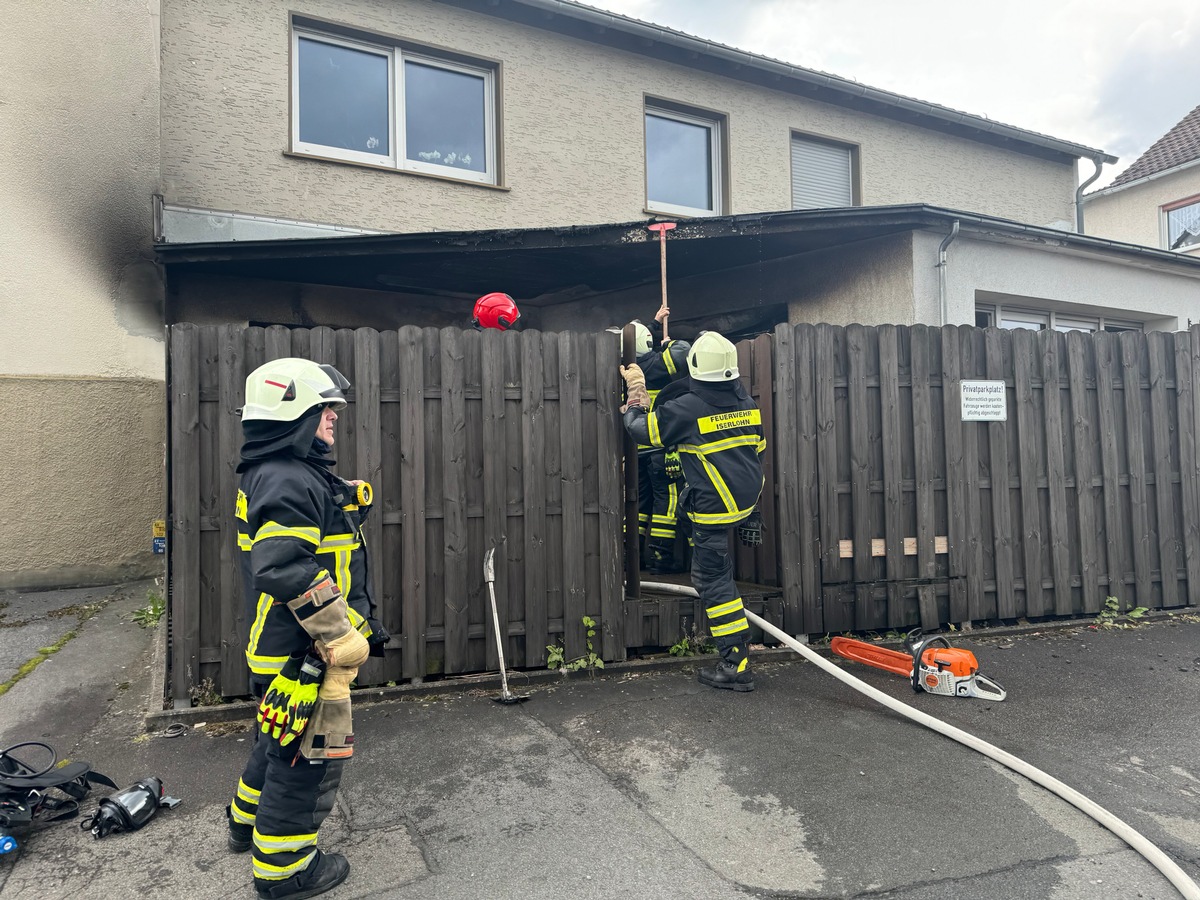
[(984, 401)]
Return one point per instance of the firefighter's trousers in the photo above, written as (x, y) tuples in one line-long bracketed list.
[(285, 803), (712, 577), (658, 503)]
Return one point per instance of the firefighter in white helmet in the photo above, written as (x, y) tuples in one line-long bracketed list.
[(660, 475), (305, 580), (718, 430)]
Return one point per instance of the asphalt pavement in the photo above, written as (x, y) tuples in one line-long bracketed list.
[(642, 782)]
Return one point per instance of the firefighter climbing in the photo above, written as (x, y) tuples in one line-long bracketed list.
[(717, 429)]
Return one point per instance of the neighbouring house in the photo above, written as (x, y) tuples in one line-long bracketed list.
[(361, 162), (1156, 201)]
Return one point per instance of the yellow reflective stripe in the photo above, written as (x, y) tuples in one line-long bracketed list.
[(762, 446), (653, 394), (247, 793), (742, 664), (719, 518), (725, 609), (731, 628), (718, 482), (742, 418), (667, 360), (244, 542), (652, 427), (260, 619), (242, 818), (274, 529), (741, 440), (265, 665), (334, 542), (662, 532), (357, 622), (673, 500), (277, 843), (268, 872)]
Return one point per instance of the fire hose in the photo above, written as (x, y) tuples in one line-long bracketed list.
[(1156, 857)]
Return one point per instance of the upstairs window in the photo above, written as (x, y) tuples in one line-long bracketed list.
[(393, 106), (823, 173), (683, 161), (1183, 225)]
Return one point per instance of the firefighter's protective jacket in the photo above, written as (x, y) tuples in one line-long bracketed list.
[(717, 429), (662, 367), (297, 520)]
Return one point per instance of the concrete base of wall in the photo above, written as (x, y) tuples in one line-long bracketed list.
[(83, 480)]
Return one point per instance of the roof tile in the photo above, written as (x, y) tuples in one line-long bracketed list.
[(1178, 146)]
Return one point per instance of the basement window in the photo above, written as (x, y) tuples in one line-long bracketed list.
[(400, 107)]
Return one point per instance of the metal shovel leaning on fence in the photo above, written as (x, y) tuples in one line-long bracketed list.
[(489, 575)]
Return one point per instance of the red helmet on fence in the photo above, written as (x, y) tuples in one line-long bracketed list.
[(496, 310)]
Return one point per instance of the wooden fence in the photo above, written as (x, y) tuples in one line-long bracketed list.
[(893, 511), (883, 508)]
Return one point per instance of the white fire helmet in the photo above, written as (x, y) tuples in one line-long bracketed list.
[(713, 358), (643, 341), (285, 389)]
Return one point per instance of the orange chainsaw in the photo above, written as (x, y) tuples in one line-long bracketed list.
[(931, 663)]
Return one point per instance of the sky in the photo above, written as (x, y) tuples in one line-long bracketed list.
[(1113, 75)]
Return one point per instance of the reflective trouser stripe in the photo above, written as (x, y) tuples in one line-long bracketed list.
[(290, 803), (244, 807), (712, 576)]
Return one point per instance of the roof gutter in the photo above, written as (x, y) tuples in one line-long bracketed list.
[(647, 31)]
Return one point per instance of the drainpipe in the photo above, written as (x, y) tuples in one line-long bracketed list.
[(1098, 162), (941, 267)]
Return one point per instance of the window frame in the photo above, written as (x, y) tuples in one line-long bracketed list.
[(1165, 219), (995, 313), (397, 53), (716, 125), (852, 161)]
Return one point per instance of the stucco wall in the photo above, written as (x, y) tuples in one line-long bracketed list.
[(869, 282), (1031, 276), (573, 131), (1132, 214), (80, 297), (86, 480)]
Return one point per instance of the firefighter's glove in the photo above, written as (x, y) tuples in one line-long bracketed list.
[(635, 387), (348, 651), (378, 637), (672, 466), (330, 732), (322, 611), (272, 714), (750, 529), (303, 699)]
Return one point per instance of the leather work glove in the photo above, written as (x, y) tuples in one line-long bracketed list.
[(303, 699), (378, 637), (272, 714), (750, 529), (330, 732), (349, 650), (634, 376), (635, 387), (672, 466)]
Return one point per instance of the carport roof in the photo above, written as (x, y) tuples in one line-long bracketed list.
[(545, 266)]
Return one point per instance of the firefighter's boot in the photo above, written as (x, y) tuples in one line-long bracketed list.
[(729, 676), (241, 837), (324, 873)]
